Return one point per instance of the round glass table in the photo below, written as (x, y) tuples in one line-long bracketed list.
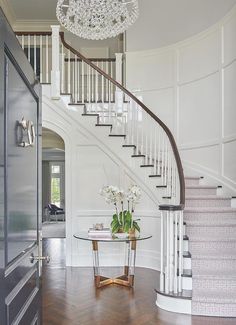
[(127, 279)]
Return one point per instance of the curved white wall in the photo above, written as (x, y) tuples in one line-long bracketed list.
[(191, 86)]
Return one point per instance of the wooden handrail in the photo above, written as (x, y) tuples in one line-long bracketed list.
[(33, 33), (147, 110), (92, 59)]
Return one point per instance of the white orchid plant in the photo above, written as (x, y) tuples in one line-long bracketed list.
[(123, 218)]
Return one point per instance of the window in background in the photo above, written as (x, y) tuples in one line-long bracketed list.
[(55, 185)]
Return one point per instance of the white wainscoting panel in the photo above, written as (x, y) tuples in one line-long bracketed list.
[(229, 44), (230, 100), (161, 102), (199, 111), (207, 158), (230, 160), (150, 70), (199, 58)]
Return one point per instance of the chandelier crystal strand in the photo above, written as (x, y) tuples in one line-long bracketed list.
[(97, 19)]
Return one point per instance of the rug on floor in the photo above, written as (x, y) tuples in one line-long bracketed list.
[(53, 230)]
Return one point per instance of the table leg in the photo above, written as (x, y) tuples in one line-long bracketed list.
[(100, 280), (128, 278), (132, 259)]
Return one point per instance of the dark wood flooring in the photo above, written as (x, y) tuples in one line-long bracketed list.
[(70, 297)]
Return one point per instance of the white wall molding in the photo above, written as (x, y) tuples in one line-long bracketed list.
[(109, 213), (198, 79), (33, 25), (190, 146), (230, 138)]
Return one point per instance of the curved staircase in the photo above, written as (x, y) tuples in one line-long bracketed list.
[(198, 237)]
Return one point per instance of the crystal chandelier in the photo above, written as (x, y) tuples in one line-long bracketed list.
[(97, 19)]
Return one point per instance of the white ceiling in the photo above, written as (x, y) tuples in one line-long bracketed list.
[(164, 22), (161, 22)]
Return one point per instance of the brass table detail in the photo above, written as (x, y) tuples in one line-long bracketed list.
[(127, 279)]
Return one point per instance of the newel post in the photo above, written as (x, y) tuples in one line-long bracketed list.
[(55, 73), (119, 78), (119, 58)]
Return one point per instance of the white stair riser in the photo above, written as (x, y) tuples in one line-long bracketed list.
[(185, 245), (211, 309), (208, 202), (209, 218), (187, 263), (217, 284), (212, 248), (213, 232), (187, 283), (192, 182), (201, 191), (220, 265)]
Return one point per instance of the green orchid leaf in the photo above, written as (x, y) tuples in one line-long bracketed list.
[(115, 228), (136, 226)]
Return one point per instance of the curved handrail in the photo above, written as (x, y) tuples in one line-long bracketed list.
[(147, 110)]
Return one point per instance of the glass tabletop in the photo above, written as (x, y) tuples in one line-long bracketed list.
[(115, 237)]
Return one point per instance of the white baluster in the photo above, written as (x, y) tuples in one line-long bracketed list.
[(180, 250), (78, 78), (119, 57), (55, 72), (176, 253), (167, 271), (171, 287), (73, 78), (41, 57), (82, 81), (96, 84), (151, 143), (68, 72), (90, 94), (23, 42), (62, 59), (35, 54), (166, 162), (28, 45), (87, 82), (47, 75), (113, 86), (107, 83), (103, 86), (155, 150), (162, 253)]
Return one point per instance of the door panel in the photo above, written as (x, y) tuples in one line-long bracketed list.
[(22, 167), (20, 187)]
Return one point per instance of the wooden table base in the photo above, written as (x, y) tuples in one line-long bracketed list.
[(124, 280), (127, 279)]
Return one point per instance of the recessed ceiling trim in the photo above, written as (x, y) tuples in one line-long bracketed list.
[(34, 25)]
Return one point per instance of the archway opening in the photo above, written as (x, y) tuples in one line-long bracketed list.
[(53, 185)]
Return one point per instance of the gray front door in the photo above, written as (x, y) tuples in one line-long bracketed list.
[(20, 133)]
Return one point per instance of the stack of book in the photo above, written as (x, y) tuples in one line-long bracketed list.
[(99, 233)]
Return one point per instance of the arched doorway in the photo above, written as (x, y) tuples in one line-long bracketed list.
[(53, 185)]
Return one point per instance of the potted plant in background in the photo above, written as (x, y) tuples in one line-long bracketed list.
[(123, 223)]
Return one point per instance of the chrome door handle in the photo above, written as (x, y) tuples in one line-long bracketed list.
[(27, 126), (39, 258)]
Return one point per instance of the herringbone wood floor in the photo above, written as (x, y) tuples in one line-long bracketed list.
[(70, 298)]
